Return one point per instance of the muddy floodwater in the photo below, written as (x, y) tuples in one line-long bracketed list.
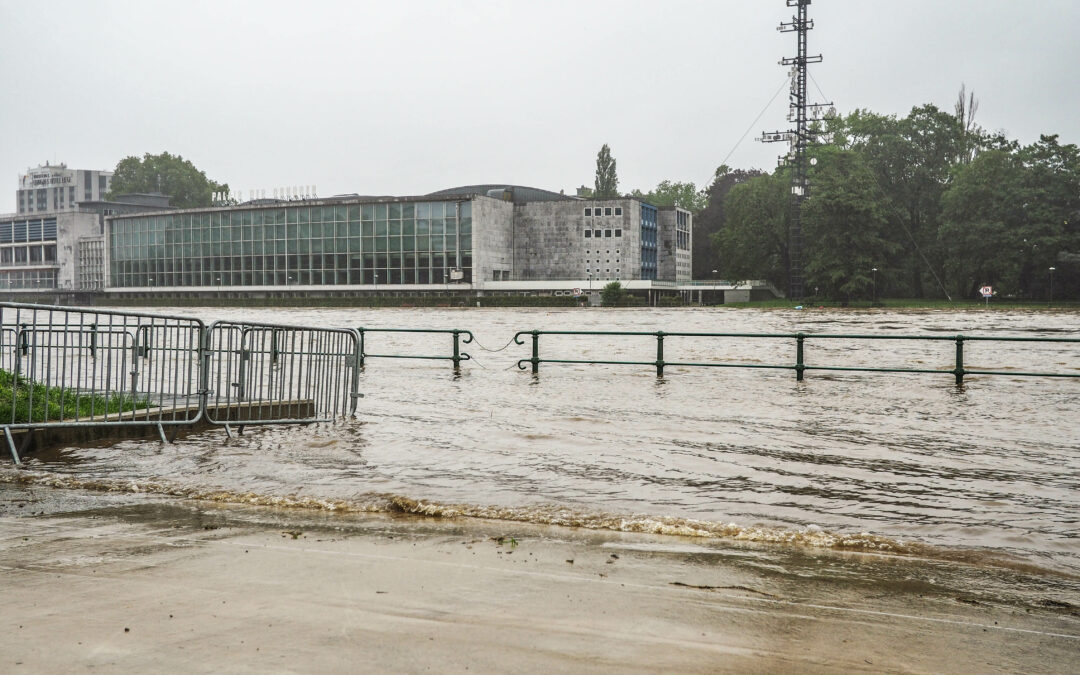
[(905, 462)]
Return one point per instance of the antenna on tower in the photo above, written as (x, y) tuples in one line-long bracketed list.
[(800, 137)]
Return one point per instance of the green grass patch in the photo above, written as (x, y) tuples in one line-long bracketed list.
[(23, 401)]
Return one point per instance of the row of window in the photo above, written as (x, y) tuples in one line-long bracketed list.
[(606, 233), (302, 232), (419, 244), (27, 279), (34, 229), (435, 213), (594, 211), (27, 255), (286, 270)]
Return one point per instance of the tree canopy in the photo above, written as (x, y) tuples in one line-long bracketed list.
[(672, 193), (933, 201), (173, 175), (607, 180)]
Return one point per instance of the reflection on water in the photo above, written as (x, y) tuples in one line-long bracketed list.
[(721, 452)]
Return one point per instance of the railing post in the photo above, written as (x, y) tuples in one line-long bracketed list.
[(93, 340), (204, 369), (659, 353), (959, 370), (361, 331), (535, 352), (355, 384), (799, 365), (135, 364), (242, 366), (457, 351)]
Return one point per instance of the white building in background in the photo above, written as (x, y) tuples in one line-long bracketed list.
[(51, 188)]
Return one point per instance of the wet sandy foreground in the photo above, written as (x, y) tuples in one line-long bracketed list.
[(146, 584)]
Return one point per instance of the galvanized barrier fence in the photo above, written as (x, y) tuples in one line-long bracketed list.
[(65, 367), (800, 366), (277, 374)]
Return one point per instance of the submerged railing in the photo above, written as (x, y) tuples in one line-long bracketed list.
[(456, 356), (800, 366), (67, 367)]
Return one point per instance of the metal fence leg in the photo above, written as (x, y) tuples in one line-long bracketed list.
[(959, 369), (161, 433), (11, 446), (660, 353), (535, 351), (800, 366)]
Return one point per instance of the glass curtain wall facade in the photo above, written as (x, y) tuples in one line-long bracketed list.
[(649, 231), (402, 242)]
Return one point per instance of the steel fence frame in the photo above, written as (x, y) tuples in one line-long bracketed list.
[(73, 367), (280, 374)]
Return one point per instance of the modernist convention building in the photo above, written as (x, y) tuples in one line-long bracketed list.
[(474, 237), (468, 240)]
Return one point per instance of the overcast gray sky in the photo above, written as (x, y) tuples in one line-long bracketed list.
[(411, 97)]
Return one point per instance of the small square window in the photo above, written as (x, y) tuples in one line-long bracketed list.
[(607, 211), (618, 210), (607, 233), (588, 212), (618, 233), (588, 233), (596, 233)]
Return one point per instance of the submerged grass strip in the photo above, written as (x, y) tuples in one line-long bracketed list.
[(23, 401)]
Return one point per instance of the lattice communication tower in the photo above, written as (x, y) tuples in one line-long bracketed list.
[(801, 114)]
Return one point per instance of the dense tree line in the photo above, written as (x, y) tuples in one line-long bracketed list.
[(937, 204)]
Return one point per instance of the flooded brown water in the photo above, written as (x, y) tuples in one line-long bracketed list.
[(898, 462)]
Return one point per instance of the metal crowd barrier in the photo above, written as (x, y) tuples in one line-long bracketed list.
[(276, 374), (457, 356), (65, 367), (799, 366)]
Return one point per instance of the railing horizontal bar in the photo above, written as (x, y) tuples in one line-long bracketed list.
[(807, 336), (415, 330), (463, 357), (1020, 374)]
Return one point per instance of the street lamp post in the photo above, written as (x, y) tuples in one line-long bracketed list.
[(874, 270), (1051, 301)]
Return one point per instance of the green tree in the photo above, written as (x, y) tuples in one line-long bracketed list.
[(846, 227), (753, 241), (672, 193), (911, 161), (612, 294), (710, 220), (173, 175), (607, 180), (1009, 216)]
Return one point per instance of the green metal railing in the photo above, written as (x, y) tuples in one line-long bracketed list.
[(799, 366), (460, 337)]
